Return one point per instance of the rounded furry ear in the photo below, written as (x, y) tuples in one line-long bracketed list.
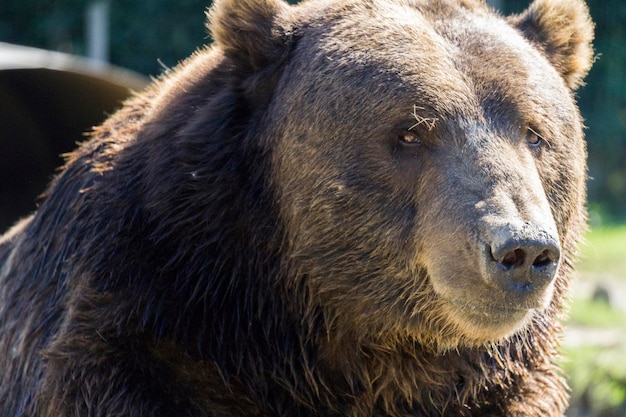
[(252, 32), (564, 31)]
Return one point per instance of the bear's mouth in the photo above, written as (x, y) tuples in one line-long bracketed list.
[(487, 311), (490, 321)]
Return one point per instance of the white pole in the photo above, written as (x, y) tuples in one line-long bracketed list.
[(97, 22)]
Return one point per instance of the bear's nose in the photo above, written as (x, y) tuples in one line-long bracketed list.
[(524, 264)]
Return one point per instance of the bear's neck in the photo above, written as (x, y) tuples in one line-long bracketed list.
[(351, 375)]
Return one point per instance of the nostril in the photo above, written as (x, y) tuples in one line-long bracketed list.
[(522, 261), (525, 254), (543, 260), (513, 259)]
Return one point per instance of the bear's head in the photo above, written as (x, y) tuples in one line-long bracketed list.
[(427, 158)]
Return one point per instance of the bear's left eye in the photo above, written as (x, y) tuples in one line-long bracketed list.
[(533, 138), (409, 138)]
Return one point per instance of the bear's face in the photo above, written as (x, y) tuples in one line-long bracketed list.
[(429, 164)]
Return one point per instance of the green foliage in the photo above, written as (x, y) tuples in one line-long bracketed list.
[(149, 34), (595, 369), (603, 253), (46, 24), (598, 314), (604, 105), (597, 377)]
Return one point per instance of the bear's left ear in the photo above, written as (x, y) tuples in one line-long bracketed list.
[(254, 33), (564, 31)]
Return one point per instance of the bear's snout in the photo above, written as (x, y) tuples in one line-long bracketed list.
[(522, 261)]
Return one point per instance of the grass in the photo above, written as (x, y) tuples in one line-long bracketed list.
[(598, 314), (597, 371), (597, 376), (604, 253)]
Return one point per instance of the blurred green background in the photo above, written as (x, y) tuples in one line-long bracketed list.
[(148, 36)]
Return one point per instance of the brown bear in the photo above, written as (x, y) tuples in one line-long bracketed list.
[(340, 208)]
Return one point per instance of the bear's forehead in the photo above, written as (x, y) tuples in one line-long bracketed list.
[(447, 54)]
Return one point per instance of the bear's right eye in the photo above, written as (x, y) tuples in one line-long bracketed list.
[(409, 138)]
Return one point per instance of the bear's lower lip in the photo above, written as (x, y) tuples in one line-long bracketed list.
[(484, 316), (487, 310)]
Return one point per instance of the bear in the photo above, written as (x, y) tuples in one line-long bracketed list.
[(337, 208)]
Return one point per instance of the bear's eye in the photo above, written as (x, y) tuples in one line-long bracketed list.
[(409, 138), (534, 139)]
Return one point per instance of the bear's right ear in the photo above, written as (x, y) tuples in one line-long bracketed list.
[(252, 32), (564, 31)]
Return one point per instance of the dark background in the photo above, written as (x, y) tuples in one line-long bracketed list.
[(150, 35)]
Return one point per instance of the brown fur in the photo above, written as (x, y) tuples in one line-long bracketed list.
[(563, 30), (303, 219)]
